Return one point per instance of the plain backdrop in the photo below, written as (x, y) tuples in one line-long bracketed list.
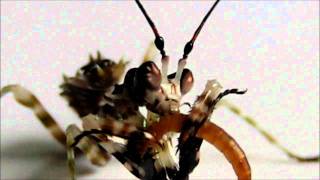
[(269, 47)]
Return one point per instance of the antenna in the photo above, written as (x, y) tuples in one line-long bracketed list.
[(159, 42), (188, 47)]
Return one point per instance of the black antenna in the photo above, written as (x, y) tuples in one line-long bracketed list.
[(188, 47), (159, 42)]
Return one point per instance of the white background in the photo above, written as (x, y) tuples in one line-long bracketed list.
[(269, 47)]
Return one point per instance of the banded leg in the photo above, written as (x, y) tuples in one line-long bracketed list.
[(143, 170), (27, 99), (135, 155), (236, 110), (93, 151), (110, 127)]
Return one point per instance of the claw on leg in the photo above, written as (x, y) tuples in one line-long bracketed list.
[(236, 110), (27, 99)]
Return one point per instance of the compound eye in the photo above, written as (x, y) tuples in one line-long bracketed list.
[(93, 72), (129, 79), (186, 81), (149, 76)]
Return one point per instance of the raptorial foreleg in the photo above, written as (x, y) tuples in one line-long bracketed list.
[(142, 167), (189, 156)]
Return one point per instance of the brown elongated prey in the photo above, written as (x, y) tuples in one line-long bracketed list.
[(112, 123)]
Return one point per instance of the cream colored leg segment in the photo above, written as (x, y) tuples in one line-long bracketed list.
[(27, 99), (71, 130), (236, 110)]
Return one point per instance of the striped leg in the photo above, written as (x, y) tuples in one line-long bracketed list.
[(236, 110), (135, 155), (141, 167), (70, 151), (144, 170), (93, 151), (27, 99)]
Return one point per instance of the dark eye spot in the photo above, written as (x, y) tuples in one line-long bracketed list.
[(186, 81), (149, 75), (129, 79)]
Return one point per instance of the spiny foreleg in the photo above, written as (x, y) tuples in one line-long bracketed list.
[(119, 153), (189, 156), (135, 155), (189, 144), (27, 99), (236, 110)]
